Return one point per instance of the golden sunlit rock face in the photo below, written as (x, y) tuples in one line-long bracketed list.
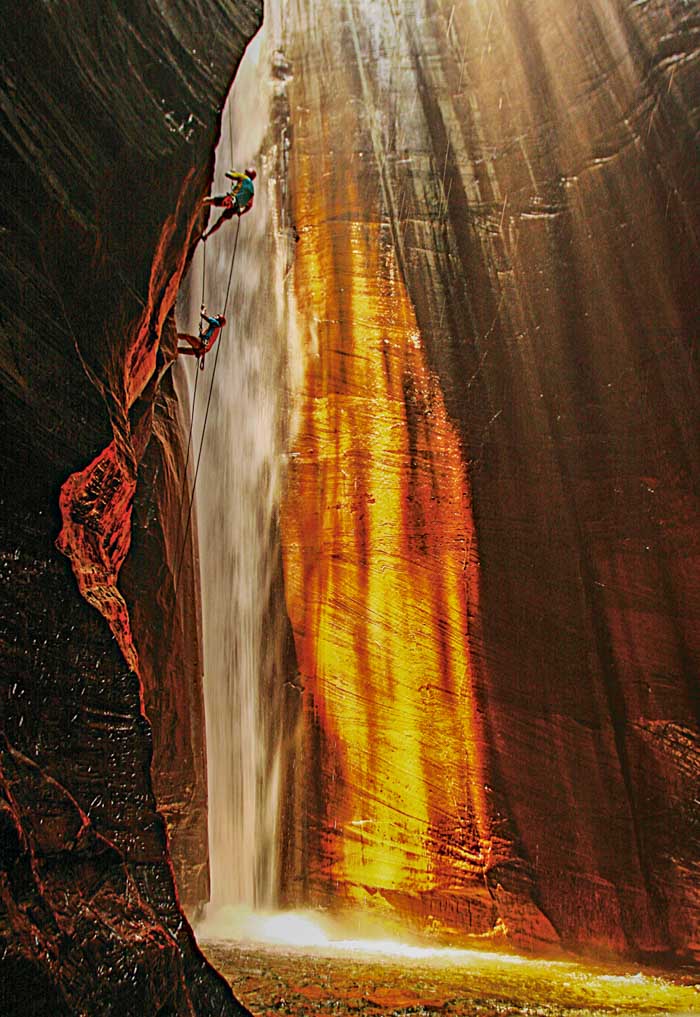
[(490, 531), (379, 561), (381, 567)]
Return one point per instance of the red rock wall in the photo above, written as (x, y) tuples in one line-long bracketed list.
[(108, 138), (495, 270), (167, 630)]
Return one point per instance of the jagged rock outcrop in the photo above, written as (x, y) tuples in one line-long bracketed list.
[(109, 121), (491, 534)]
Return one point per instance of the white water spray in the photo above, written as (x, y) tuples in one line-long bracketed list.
[(237, 497)]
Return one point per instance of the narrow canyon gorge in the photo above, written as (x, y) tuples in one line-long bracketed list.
[(404, 627)]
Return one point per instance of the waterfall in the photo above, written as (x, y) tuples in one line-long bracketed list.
[(237, 492)]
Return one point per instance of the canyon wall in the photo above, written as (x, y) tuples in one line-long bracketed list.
[(491, 527), (109, 122)]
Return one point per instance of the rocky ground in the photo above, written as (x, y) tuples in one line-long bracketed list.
[(274, 981)]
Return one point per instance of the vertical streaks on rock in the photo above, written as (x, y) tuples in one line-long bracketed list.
[(566, 136), (525, 172), (380, 554)]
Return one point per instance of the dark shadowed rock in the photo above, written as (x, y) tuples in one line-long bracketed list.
[(108, 124)]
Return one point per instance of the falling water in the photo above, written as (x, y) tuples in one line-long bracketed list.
[(237, 491)]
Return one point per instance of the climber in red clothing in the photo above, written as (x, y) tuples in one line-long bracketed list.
[(200, 345)]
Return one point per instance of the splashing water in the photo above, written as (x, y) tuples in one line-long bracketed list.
[(237, 493), (309, 961)]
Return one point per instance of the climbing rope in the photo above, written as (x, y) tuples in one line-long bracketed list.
[(206, 417), (194, 394), (200, 360), (189, 436), (196, 380), (230, 275)]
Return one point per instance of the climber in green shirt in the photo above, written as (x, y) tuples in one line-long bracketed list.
[(238, 201)]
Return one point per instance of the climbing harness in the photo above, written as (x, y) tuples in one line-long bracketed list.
[(178, 564)]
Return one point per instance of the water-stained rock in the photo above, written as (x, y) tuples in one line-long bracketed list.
[(491, 535)]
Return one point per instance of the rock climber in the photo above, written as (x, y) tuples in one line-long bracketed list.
[(200, 345), (238, 201)]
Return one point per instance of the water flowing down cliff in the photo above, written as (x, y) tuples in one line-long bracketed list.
[(249, 657)]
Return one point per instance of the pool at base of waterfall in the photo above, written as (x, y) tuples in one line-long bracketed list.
[(357, 978)]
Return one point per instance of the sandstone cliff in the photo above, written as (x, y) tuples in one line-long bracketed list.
[(109, 121), (491, 534)]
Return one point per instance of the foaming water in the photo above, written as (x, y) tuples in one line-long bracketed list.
[(242, 924), (237, 495), (323, 935)]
